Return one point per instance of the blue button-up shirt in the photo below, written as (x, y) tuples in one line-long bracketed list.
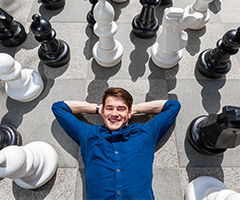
[(118, 165)]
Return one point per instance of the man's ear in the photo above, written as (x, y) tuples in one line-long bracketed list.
[(130, 114)]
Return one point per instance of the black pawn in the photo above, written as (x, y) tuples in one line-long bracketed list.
[(165, 2), (12, 33), (214, 63), (53, 4), (213, 134), (145, 25), (90, 18), (9, 136), (53, 52)]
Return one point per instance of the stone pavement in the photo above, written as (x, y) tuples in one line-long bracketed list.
[(176, 163)]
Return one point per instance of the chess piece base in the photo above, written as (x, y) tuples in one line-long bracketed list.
[(144, 32), (9, 136), (193, 136), (119, 1), (165, 59), (31, 88), (18, 38), (108, 58), (202, 187), (165, 2), (53, 4), (53, 61), (207, 70), (47, 167)]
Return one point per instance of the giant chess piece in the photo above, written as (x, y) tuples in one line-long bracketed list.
[(145, 24), (167, 50), (213, 134), (215, 63), (53, 52), (53, 4), (9, 136), (12, 33), (209, 188), (21, 84), (107, 51), (30, 166), (165, 2), (90, 18), (202, 7)]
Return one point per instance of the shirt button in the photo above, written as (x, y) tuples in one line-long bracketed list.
[(118, 170), (116, 152), (119, 192)]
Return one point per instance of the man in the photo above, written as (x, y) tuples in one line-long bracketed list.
[(118, 157)]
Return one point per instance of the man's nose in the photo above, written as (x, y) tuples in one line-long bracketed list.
[(115, 112)]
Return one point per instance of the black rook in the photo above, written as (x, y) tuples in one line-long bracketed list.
[(12, 33), (53, 52), (145, 25), (214, 63), (213, 134)]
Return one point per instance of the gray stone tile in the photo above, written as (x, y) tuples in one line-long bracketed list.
[(80, 191), (73, 11), (60, 186), (135, 63), (141, 90), (166, 184), (202, 98), (78, 42), (165, 152), (228, 11), (19, 10), (35, 121)]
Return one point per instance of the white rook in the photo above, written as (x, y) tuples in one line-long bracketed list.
[(107, 51), (200, 6), (209, 188), (167, 50), (30, 166), (21, 84)]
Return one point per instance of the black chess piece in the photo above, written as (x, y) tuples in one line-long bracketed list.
[(90, 19), (12, 33), (9, 136), (215, 63), (213, 134), (53, 52), (53, 4), (145, 25), (165, 2)]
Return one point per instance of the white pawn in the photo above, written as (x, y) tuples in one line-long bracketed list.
[(200, 6), (30, 166), (209, 188), (21, 84), (107, 51), (167, 50)]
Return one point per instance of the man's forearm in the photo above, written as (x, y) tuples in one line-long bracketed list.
[(151, 107), (81, 107)]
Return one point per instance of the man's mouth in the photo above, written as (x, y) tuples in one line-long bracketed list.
[(114, 120)]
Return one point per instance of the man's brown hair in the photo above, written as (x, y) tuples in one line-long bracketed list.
[(118, 92)]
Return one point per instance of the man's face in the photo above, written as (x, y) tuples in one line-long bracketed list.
[(115, 114)]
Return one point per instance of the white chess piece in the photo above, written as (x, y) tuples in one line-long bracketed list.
[(21, 84), (107, 51), (200, 6), (30, 166), (167, 50), (209, 188)]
